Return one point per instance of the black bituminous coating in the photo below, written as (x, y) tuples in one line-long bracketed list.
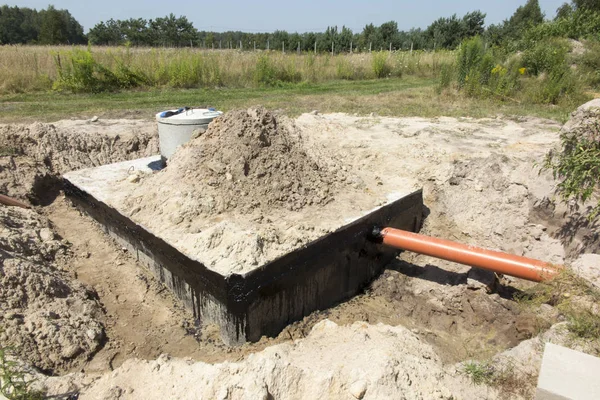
[(265, 300)]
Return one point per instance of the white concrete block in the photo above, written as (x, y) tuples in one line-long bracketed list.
[(568, 374)]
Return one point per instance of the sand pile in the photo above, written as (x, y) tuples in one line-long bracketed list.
[(584, 122), (245, 192), (50, 319), (360, 361), (32, 157), (246, 160)]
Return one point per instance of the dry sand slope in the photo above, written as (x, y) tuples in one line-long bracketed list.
[(481, 187)]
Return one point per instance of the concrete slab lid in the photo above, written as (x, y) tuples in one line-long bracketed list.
[(568, 374), (193, 116), (108, 184)]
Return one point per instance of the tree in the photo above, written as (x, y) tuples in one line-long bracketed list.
[(172, 31), (30, 27), (278, 39), (564, 11), (209, 39), (11, 19), (592, 5), (445, 32), (368, 36), (344, 39), (75, 33), (389, 33), (134, 31), (108, 33), (53, 29), (473, 24), (525, 17)]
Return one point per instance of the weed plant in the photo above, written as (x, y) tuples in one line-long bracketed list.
[(13, 382), (577, 164)]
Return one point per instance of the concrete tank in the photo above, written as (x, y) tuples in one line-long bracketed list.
[(176, 127)]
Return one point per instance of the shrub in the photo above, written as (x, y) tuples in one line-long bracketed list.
[(589, 62), (577, 165), (265, 72), (546, 56), (552, 87), (447, 75), (343, 69), (381, 67), (78, 71), (469, 59), (310, 67), (270, 73)]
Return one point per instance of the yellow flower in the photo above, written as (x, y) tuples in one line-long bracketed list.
[(522, 71), (499, 70)]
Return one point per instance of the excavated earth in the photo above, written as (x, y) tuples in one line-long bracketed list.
[(77, 306), (245, 193)]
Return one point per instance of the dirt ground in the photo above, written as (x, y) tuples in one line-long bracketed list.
[(481, 187)]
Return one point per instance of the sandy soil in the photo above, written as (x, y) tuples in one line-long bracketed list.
[(481, 187), (244, 193)]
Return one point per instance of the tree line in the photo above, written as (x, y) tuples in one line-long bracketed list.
[(52, 26), (178, 31), (22, 25)]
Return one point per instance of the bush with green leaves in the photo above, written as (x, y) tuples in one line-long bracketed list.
[(344, 69), (545, 56), (589, 63), (482, 72), (577, 164), (581, 24), (541, 74), (469, 59), (271, 71), (79, 72), (558, 85), (381, 66)]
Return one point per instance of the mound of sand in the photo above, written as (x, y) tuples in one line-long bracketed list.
[(333, 362), (50, 319), (246, 160), (245, 192), (32, 157)]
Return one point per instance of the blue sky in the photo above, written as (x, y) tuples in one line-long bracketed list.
[(300, 16)]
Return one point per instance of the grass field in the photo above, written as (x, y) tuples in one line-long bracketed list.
[(26, 69), (409, 96), (41, 83)]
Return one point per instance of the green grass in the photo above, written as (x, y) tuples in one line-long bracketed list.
[(13, 382), (574, 298), (502, 377), (479, 372), (408, 96)]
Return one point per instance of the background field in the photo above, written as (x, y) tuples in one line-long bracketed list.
[(51, 82)]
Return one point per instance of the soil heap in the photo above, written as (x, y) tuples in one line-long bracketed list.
[(32, 157), (360, 361), (247, 159), (50, 319), (245, 192)]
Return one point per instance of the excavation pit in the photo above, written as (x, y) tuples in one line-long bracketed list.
[(254, 299)]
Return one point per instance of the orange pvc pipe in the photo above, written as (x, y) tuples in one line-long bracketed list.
[(9, 201), (508, 264)]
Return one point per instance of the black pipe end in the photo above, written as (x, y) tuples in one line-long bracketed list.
[(375, 234)]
